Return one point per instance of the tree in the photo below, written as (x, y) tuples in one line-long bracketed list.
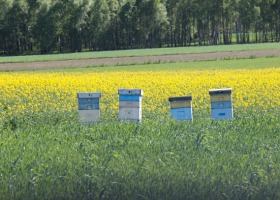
[(247, 15), (276, 16), (4, 32), (153, 22), (215, 17), (228, 19), (14, 27), (172, 10), (69, 21), (266, 15), (113, 32), (45, 29), (74, 25), (98, 21), (128, 24)]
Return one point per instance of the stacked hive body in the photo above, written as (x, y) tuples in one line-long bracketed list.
[(89, 107), (181, 107), (130, 104), (221, 103)]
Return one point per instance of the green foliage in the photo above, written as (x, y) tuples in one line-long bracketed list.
[(52, 155), (99, 20), (73, 25), (44, 29)]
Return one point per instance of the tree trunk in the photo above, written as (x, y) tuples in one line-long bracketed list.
[(237, 31)]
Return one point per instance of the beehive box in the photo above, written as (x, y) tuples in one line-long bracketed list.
[(181, 107), (130, 104), (221, 103), (89, 106), (89, 116)]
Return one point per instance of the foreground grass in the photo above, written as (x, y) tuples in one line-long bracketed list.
[(53, 156), (141, 52)]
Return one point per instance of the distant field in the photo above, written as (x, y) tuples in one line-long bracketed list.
[(251, 63), (140, 52)]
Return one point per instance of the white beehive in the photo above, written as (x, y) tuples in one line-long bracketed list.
[(130, 104), (89, 106)]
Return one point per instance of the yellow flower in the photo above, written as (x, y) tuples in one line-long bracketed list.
[(44, 92)]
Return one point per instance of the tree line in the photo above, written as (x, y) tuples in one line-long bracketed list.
[(48, 26)]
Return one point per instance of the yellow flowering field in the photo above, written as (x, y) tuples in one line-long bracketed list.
[(46, 151), (50, 91)]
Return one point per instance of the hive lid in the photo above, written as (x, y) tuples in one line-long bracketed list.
[(183, 98), (83, 95), (220, 91), (131, 92)]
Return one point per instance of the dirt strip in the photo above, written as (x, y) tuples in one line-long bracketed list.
[(136, 60)]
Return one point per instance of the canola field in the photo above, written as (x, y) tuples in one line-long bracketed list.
[(45, 92), (47, 154)]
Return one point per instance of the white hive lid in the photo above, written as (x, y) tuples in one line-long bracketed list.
[(84, 95)]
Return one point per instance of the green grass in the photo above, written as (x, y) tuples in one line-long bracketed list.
[(53, 156), (140, 52)]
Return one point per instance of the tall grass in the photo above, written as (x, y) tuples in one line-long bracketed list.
[(53, 156)]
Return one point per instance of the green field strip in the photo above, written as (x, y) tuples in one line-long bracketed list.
[(248, 63), (141, 52)]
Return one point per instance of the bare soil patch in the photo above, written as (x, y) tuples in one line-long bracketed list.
[(136, 60)]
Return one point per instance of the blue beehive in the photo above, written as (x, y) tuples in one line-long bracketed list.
[(89, 106), (130, 104), (181, 107), (221, 103)]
